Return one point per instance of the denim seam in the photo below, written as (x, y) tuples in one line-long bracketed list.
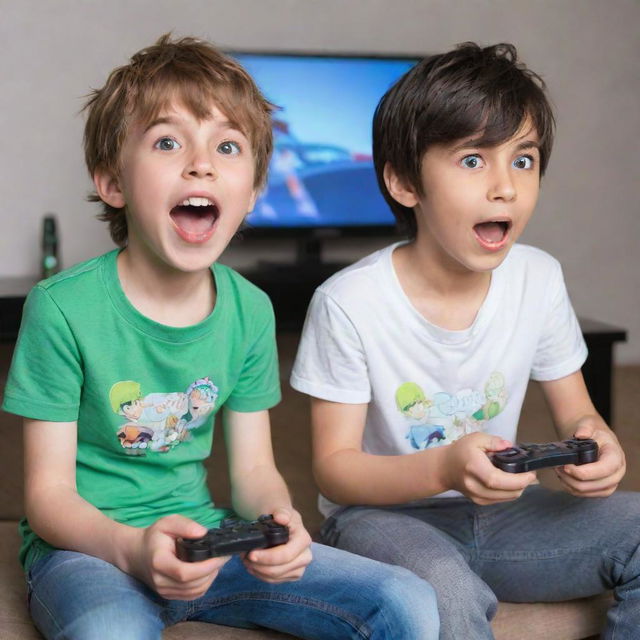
[(477, 530), (481, 517), (361, 628), (537, 555), (29, 589), (44, 606)]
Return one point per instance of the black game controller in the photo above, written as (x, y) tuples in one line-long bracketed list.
[(234, 536), (528, 457)]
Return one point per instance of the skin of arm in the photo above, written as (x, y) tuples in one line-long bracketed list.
[(347, 475), (59, 515), (574, 415), (258, 488)]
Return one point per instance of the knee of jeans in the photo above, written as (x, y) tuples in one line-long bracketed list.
[(449, 568), (411, 607), (457, 586), (124, 628), (122, 620)]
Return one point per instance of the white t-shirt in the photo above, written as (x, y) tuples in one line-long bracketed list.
[(364, 342)]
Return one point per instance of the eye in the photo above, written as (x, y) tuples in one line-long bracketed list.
[(167, 144), (473, 161), (229, 148), (523, 162)]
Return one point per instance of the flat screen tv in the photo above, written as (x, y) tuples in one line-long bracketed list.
[(321, 175)]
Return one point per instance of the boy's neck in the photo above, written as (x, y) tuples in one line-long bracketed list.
[(167, 296), (444, 293)]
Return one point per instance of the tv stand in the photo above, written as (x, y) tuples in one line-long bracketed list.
[(308, 261), (309, 251), (290, 285)]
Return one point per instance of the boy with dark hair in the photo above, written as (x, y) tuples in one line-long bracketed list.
[(418, 357), (122, 363)]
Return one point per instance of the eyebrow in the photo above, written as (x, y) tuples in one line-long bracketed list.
[(528, 144), (163, 120), (223, 124), (475, 143)]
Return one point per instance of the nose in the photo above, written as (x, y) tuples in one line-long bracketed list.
[(502, 185), (200, 164)]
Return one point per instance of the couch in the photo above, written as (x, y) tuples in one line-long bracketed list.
[(572, 620)]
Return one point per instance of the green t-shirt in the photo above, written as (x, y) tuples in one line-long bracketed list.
[(144, 395)]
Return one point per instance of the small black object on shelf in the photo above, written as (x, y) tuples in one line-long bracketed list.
[(50, 264)]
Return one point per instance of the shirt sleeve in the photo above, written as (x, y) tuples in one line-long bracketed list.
[(561, 349), (331, 362), (46, 374), (258, 386)]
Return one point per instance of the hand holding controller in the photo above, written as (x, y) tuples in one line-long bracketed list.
[(529, 457), (233, 537)]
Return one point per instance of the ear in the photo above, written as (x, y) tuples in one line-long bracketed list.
[(108, 188), (252, 201), (399, 190)]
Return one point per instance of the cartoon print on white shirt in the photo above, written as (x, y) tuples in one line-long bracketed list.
[(443, 417), (415, 407)]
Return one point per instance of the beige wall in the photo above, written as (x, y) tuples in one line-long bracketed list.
[(587, 50)]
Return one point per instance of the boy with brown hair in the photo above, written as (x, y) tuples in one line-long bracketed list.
[(123, 361), (418, 357)]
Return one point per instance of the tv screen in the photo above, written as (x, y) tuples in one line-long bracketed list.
[(321, 174)]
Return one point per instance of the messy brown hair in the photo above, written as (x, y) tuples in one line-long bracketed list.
[(188, 70), (449, 96)]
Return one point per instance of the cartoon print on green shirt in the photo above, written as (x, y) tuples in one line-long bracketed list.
[(201, 398), (160, 421), (444, 417)]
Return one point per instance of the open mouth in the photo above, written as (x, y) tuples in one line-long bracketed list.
[(195, 218), (492, 234)]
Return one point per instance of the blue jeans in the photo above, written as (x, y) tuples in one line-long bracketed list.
[(76, 596), (546, 546)]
